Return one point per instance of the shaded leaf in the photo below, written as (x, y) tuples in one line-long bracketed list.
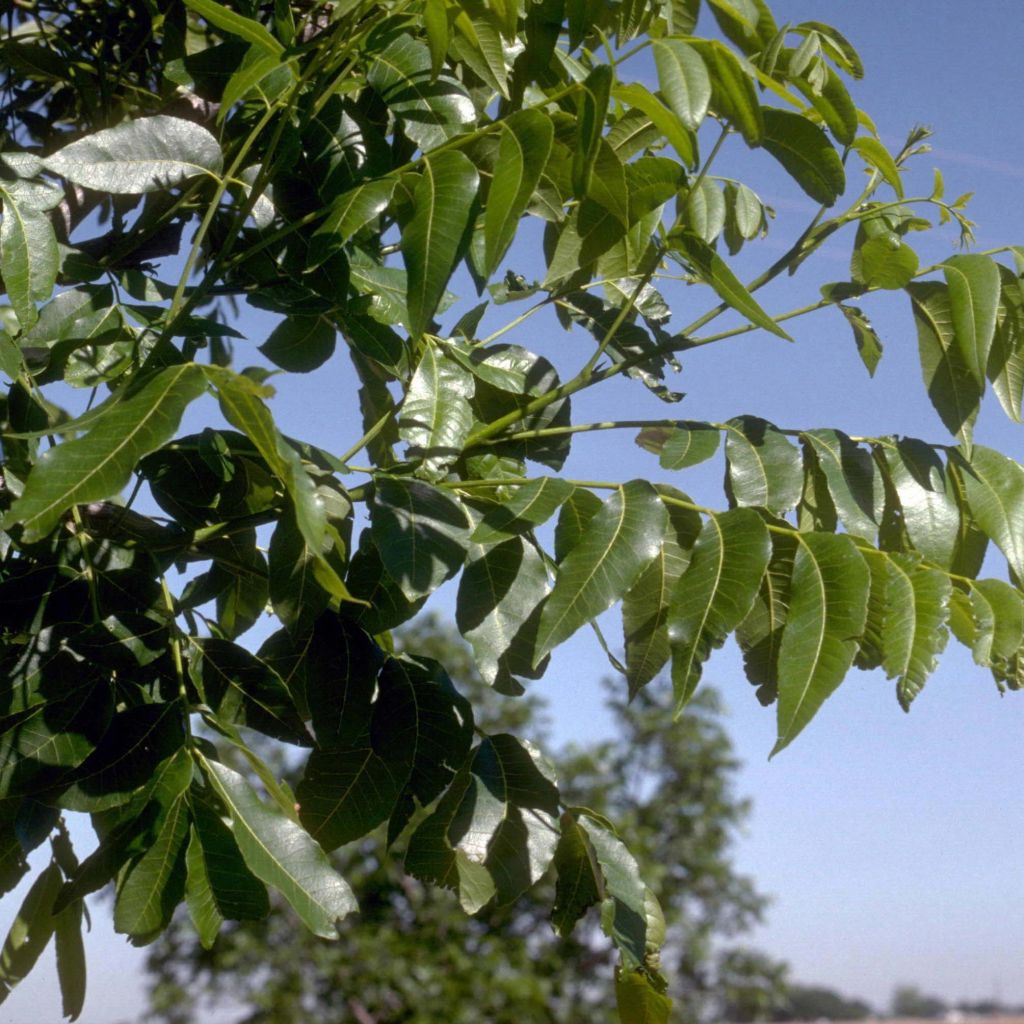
[(300, 343), (529, 506), (805, 152), (995, 493), (579, 881), (974, 292), (854, 481), (762, 467)]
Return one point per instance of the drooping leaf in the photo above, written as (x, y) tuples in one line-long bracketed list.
[(645, 605), (522, 155), (827, 612), (639, 1001), (281, 853), (666, 122), (1006, 357), (715, 592), (421, 533), (854, 481), (218, 886), (732, 90), (99, 464), (592, 110), (713, 270), (31, 930), (155, 883), (579, 882), (443, 204), (763, 468), (436, 416), (352, 211), (151, 154), (70, 950), (616, 546), (805, 152), (869, 345), (914, 624), (953, 389), (974, 291), (995, 492)]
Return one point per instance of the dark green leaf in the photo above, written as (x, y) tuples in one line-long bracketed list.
[(421, 533), (31, 930), (869, 345), (714, 594), (577, 510), (762, 467), (281, 853), (151, 154), (1006, 357), (615, 547), (99, 464), (883, 262), (666, 122), (593, 108), (827, 612), (530, 505), (70, 959), (236, 24), (995, 492), (28, 256), (733, 96), (300, 343), (805, 152), (522, 155), (953, 389), (155, 883), (854, 481), (579, 882), (713, 270), (443, 204)]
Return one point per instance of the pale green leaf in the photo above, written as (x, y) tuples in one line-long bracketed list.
[(995, 493), (974, 292), (28, 256), (683, 79), (236, 24)]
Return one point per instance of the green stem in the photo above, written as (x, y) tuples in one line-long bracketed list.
[(367, 437), (175, 640)]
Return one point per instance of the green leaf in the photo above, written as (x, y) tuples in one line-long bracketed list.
[(913, 624), (500, 593), (645, 605), (804, 151), (1006, 357), (715, 593), (435, 21), (616, 546), (421, 533), (683, 79), (351, 212), (997, 622), (854, 481), (733, 95), (150, 154), (443, 204), (590, 118), (242, 689), (70, 951), (869, 345), (831, 100), (344, 794), (236, 24), (282, 854), (532, 504), (294, 593), (974, 291), (100, 464), (623, 914), (827, 612), (28, 256), (219, 886), (705, 210), (422, 723), (762, 467), (579, 882), (883, 262), (952, 387), (638, 1001), (879, 158), (431, 111), (300, 343), (436, 416), (31, 930), (666, 122), (680, 447), (523, 151), (995, 493), (713, 270), (155, 883)]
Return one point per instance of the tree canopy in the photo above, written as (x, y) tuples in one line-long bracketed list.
[(333, 164)]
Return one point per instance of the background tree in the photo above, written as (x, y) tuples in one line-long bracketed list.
[(333, 164), (910, 1001), (506, 964), (815, 1002)]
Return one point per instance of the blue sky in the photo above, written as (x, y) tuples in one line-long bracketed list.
[(891, 843)]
